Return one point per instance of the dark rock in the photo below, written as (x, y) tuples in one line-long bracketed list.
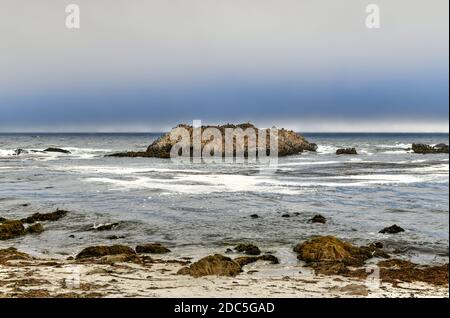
[(56, 150), (228, 251), (104, 227), (427, 149), (376, 245), (99, 251), (248, 249), (217, 265), (346, 151), (289, 143), (3, 220), (38, 217), (254, 216), (19, 151), (318, 219), (244, 260), (153, 248), (11, 229), (72, 236), (286, 215), (36, 228), (392, 229)]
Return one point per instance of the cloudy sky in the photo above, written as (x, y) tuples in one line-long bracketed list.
[(146, 65)]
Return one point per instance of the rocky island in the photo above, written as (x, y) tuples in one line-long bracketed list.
[(289, 142)]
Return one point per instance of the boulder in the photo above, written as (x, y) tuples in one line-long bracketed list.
[(51, 149), (331, 250), (41, 217), (427, 149), (248, 249), (318, 219), (152, 248), (11, 229), (217, 265), (346, 151), (289, 143), (99, 251), (393, 229)]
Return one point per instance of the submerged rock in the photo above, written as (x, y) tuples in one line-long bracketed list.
[(216, 264), (426, 149), (393, 229), (51, 149), (244, 260), (318, 219), (346, 151), (248, 249), (11, 229), (254, 216), (99, 251), (152, 248), (52, 216), (19, 151), (104, 227), (289, 143)]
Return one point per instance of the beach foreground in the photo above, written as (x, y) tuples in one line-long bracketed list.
[(24, 276)]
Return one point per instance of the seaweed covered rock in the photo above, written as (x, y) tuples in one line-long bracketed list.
[(36, 228), (331, 249), (152, 248), (248, 249), (11, 254), (427, 149), (41, 217), (11, 229), (216, 264), (100, 251), (346, 151), (289, 142), (395, 271)]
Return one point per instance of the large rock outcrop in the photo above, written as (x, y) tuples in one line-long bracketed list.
[(289, 142), (424, 149)]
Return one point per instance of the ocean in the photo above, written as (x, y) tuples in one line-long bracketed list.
[(195, 208)]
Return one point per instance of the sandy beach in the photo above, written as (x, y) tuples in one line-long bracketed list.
[(24, 276)]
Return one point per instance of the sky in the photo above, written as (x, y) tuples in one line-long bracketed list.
[(147, 65)]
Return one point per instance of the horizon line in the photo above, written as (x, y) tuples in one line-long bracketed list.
[(164, 132)]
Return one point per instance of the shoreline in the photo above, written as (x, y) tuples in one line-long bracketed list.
[(321, 266)]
